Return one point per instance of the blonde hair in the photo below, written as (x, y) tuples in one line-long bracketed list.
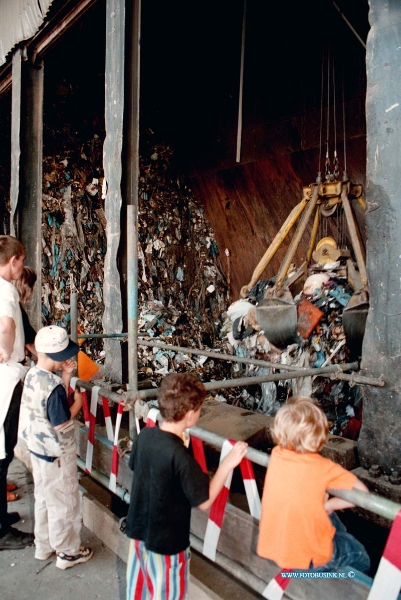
[(300, 425), (26, 283)]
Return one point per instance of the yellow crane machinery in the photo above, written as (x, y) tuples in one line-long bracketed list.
[(277, 312)]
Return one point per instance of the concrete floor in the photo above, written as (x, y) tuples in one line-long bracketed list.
[(25, 578)]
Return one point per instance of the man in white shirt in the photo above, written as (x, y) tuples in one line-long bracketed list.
[(12, 372)]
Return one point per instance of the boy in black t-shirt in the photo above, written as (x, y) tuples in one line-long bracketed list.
[(167, 483)]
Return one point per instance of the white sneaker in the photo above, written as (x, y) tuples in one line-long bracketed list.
[(64, 561), (39, 556)]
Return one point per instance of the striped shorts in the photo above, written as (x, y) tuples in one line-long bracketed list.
[(152, 576)]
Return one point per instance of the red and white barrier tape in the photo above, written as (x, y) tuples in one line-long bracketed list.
[(276, 587), (217, 510), (151, 418), (91, 429), (247, 473), (138, 427), (107, 419), (250, 486), (387, 582), (73, 383), (115, 456), (199, 453)]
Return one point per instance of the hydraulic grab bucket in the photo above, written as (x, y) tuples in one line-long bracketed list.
[(277, 312), (356, 311), (278, 318)]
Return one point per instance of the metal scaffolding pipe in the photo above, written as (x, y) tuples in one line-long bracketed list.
[(74, 316), (74, 319), (244, 381), (104, 392), (132, 166), (353, 378), (372, 502), (89, 336), (97, 476), (256, 456)]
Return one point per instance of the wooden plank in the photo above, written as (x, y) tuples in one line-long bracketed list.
[(233, 422)]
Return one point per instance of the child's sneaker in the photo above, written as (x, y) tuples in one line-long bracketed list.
[(44, 556), (64, 561)]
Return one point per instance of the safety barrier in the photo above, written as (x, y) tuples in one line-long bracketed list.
[(90, 422), (387, 581)]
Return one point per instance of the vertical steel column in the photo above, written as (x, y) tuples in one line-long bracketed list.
[(30, 197), (112, 150), (74, 318), (241, 86), (133, 92), (15, 137)]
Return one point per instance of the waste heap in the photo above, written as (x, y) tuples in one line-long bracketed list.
[(320, 341), (73, 233), (182, 290)]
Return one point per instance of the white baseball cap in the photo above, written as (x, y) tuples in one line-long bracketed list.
[(55, 343)]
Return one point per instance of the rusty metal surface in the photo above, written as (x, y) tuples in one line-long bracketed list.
[(247, 204), (30, 194)]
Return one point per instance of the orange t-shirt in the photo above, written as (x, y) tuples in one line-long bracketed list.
[(294, 527)]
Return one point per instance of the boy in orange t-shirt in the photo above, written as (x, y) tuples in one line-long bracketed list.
[(298, 527)]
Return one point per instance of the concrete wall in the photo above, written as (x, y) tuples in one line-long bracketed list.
[(380, 439)]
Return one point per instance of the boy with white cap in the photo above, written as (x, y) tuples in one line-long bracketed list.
[(46, 424)]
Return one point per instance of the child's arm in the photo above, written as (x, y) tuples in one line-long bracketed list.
[(77, 404), (335, 503), (67, 368), (74, 410), (31, 348), (232, 460)]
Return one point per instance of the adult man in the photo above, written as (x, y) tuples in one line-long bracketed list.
[(12, 342)]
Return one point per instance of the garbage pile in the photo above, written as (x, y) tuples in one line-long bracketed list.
[(320, 341), (73, 235), (182, 290), (179, 262)]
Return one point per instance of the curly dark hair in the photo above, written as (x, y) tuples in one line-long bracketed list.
[(178, 394)]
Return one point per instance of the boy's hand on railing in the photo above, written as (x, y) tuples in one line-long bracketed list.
[(235, 456)]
